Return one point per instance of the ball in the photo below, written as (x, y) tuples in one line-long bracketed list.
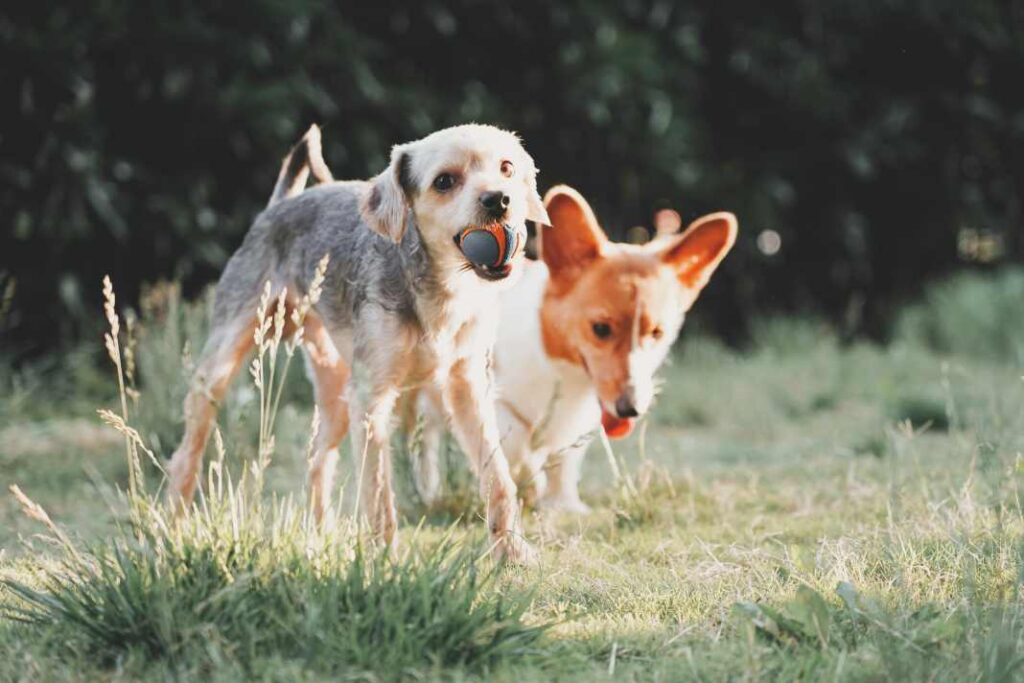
[(488, 245)]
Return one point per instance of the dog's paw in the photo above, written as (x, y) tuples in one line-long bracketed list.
[(513, 550), (564, 504)]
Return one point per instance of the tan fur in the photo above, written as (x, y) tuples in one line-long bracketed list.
[(225, 352), (641, 292), (330, 375)]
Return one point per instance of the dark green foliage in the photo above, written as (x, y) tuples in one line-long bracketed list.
[(921, 412), (140, 139)]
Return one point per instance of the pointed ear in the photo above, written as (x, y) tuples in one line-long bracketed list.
[(386, 204), (535, 210), (572, 238), (699, 250)]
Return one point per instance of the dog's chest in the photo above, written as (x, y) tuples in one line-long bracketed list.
[(461, 324), (555, 397)]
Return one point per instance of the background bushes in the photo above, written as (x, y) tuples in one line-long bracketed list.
[(882, 142), (971, 315)]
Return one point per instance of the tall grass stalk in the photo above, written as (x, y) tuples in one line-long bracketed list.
[(268, 336), (112, 343)]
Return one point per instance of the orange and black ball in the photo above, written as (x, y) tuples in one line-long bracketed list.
[(493, 245)]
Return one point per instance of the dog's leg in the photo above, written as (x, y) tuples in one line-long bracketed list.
[(517, 443), (563, 478), (383, 354), (226, 349), (370, 419), (330, 375), (427, 456), (470, 403)]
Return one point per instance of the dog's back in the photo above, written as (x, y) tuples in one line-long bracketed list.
[(300, 225)]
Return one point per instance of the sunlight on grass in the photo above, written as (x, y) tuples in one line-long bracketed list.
[(803, 510)]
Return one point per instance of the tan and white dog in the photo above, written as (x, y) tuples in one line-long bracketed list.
[(579, 341), (401, 307)]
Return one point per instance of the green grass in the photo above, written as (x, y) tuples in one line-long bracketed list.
[(236, 585), (802, 510)]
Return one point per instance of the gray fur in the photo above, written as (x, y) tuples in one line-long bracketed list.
[(289, 238)]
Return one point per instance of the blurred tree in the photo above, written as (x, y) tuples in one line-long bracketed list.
[(141, 138)]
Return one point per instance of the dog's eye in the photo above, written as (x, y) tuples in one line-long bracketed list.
[(602, 330), (657, 332), (508, 169), (444, 182)]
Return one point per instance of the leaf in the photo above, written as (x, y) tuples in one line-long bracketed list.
[(855, 602), (811, 612), (772, 623), (848, 593), (933, 626), (756, 615)]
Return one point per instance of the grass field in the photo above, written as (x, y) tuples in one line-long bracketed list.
[(799, 510)]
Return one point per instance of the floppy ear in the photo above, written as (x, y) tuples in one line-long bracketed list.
[(535, 210), (699, 250), (386, 204), (572, 238)]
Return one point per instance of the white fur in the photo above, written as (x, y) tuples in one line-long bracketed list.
[(547, 408)]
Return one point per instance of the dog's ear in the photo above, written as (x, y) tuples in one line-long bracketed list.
[(572, 238), (697, 252), (535, 210), (385, 207)]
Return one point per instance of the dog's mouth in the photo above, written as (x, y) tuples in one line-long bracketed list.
[(616, 427), (613, 426), (491, 273)]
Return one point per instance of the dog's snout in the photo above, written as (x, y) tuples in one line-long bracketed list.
[(495, 202), (624, 406)]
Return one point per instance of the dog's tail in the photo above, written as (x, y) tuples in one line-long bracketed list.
[(305, 157)]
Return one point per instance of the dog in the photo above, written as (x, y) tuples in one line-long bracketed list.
[(401, 306), (581, 337)]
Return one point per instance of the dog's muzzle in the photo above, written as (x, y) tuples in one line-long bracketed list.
[(489, 249)]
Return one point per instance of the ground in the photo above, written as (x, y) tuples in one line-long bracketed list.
[(797, 510)]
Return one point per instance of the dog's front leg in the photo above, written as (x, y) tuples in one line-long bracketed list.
[(370, 418), (470, 403), (563, 479), (378, 372), (426, 455)]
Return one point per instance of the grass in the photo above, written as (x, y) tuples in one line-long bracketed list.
[(236, 584), (801, 510)]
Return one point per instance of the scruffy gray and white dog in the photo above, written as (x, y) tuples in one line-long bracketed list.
[(401, 306)]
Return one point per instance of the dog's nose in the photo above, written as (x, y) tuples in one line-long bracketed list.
[(624, 406), (495, 201)]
